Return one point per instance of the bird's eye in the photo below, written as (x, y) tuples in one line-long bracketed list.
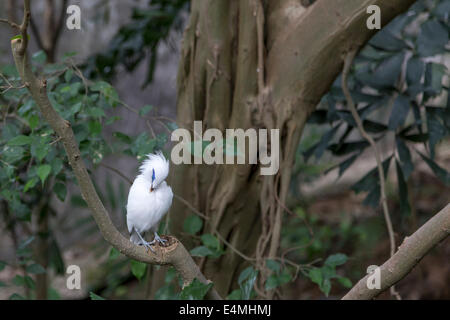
[(153, 175)]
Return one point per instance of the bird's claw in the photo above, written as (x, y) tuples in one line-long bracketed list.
[(148, 245), (160, 240)]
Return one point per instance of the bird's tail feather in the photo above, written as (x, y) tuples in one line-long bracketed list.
[(135, 238)]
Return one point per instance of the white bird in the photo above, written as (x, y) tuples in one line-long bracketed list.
[(149, 199)]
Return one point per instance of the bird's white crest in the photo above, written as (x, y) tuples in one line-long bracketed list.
[(156, 162)]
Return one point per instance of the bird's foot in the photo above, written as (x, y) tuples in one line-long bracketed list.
[(148, 246), (160, 240)]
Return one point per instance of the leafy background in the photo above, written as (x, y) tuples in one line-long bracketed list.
[(399, 82)]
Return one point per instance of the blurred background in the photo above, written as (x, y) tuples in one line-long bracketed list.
[(116, 80)]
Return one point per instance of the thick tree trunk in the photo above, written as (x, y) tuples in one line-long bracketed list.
[(257, 64)]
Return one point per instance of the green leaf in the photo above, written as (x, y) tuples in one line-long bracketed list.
[(18, 36), (341, 149), (273, 265), (43, 171), (336, 260), (433, 79), (284, 277), (210, 241), (385, 75), (69, 54), (416, 137), (68, 75), (374, 127), (326, 287), (271, 282), (371, 179), (274, 280), (60, 190), (442, 9), (195, 290), (399, 112), (12, 154), (432, 39), (25, 243), (345, 282), (122, 137), (145, 109), (246, 281), (112, 119), (143, 145), (402, 190), (414, 70), (405, 157), (113, 253), (385, 40), (172, 126), (26, 281), (93, 296), (20, 140), (2, 265), (201, 251), (30, 184), (16, 296), (41, 149), (55, 257), (315, 274), (53, 294), (192, 224), (235, 295), (95, 127), (95, 112), (324, 141), (436, 129), (35, 268), (100, 86), (138, 268), (318, 117), (33, 121), (441, 173), (39, 57)]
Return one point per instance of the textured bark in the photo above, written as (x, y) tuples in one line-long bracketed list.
[(248, 66), (409, 254)]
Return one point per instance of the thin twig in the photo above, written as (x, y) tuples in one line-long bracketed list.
[(11, 24), (347, 65), (24, 27), (187, 204), (117, 172)]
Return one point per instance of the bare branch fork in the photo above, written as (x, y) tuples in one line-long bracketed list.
[(175, 254)]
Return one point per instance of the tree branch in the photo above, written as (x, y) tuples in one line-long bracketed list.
[(409, 254), (23, 28), (10, 23), (350, 103), (303, 56), (175, 254)]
